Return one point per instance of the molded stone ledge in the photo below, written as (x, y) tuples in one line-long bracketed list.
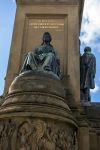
[(79, 3), (1, 99), (69, 2), (40, 82)]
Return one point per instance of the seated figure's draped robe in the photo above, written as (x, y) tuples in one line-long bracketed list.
[(43, 57)]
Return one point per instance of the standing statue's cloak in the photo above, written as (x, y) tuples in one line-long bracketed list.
[(87, 71)]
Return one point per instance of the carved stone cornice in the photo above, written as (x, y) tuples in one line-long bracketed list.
[(70, 2), (79, 3)]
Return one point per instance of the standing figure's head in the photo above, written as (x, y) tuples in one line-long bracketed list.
[(87, 49), (46, 37)]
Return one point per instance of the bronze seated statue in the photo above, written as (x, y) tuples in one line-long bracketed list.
[(44, 57)]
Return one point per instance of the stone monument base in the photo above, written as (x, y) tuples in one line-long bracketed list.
[(35, 115)]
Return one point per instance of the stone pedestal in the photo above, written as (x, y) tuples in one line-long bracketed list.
[(83, 134), (98, 140), (62, 18), (35, 115), (93, 140)]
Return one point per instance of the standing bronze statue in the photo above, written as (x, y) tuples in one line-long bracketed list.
[(87, 74), (43, 57)]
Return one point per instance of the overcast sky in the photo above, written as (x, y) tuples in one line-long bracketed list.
[(89, 36)]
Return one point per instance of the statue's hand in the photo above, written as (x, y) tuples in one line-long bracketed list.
[(41, 56), (38, 51)]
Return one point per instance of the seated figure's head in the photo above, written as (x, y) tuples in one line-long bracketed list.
[(87, 49), (46, 37)]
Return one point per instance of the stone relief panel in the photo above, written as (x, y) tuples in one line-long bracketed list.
[(35, 134), (7, 129)]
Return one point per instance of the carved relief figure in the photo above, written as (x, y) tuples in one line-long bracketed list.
[(38, 130), (24, 137), (62, 140), (44, 57), (7, 129), (47, 142)]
